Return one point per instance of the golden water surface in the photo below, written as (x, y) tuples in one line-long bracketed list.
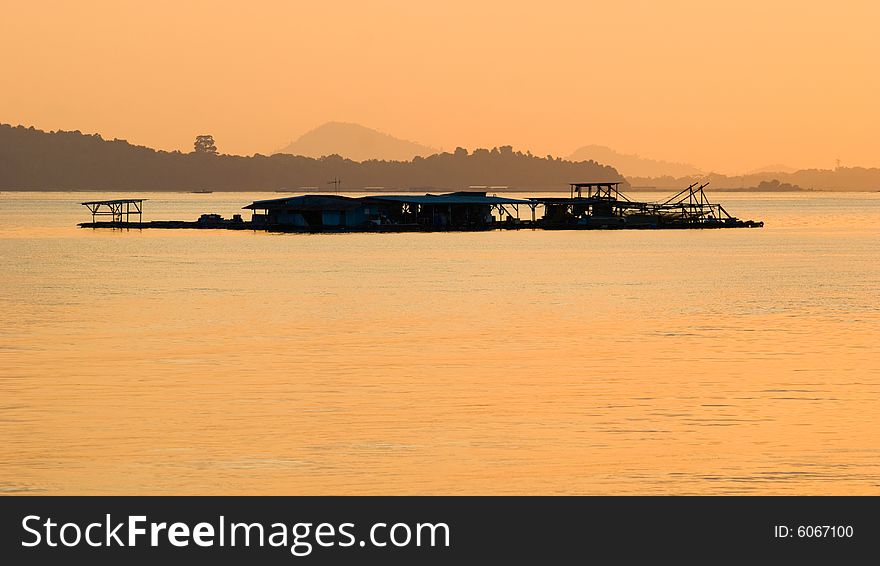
[(601, 362)]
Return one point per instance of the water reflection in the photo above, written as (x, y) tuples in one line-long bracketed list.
[(741, 361)]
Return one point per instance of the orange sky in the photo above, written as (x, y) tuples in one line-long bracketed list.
[(728, 88)]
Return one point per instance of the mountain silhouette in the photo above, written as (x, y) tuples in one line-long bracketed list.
[(355, 142), (630, 165), (774, 168), (32, 159)]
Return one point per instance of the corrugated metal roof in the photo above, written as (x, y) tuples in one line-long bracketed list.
[(335, 202), (308, 202), (449, 199)]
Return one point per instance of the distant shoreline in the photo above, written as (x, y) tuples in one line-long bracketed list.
[(747, 190)]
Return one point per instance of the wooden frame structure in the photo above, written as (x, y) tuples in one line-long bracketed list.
[(597, 190), (693, 206), (119, 210)]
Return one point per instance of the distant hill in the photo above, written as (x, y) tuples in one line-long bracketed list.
[(355, 142), (631, 165), (775, 168), (839, 179), (31, 159)]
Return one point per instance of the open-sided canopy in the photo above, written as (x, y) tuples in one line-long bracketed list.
[(114, 201)]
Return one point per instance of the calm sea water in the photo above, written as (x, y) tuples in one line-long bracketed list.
[(609, 362)]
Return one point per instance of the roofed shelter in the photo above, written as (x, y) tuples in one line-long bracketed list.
[(465, 209), (309, 211), (598, 190), (119, 210), (462, 208)]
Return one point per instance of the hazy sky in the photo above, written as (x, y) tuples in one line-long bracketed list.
[(725, 85)]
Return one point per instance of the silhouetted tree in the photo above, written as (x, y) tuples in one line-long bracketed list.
[(205, 144)]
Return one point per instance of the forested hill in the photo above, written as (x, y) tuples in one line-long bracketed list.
[(31, 159)]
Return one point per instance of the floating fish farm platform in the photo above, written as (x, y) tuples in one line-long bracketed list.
[(589, 206)]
